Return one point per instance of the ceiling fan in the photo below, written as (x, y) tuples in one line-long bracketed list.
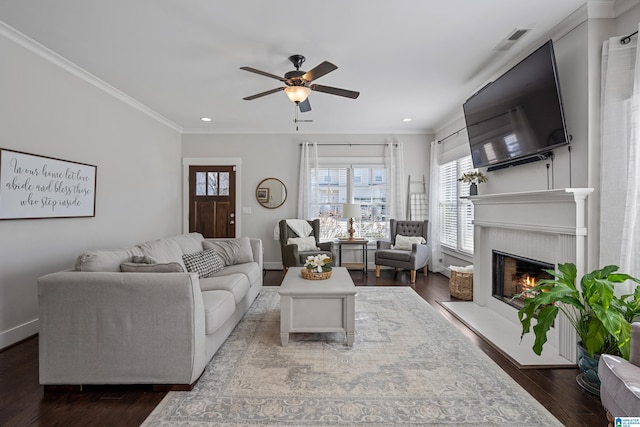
[(298, 83)]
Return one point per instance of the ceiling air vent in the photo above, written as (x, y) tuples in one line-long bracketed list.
[(513, 37)]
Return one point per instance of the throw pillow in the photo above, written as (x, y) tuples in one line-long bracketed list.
[(231, 251), (139, 267), (405, 242), (163, 250), (304, 243), (204, 262), (144, 259), (105, 260)]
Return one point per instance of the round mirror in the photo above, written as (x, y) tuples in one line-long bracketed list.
[(271, 193)]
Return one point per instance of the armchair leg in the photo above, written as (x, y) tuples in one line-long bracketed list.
[(284, 270), (425, 270), (413, 276), (377, 271)]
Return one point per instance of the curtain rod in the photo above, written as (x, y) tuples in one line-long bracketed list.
[(395, 144), (627, 39), (440, 141)]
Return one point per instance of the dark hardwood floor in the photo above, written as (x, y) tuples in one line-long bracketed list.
[(24, 403)]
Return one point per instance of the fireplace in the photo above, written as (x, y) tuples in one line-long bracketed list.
[(513, 274)]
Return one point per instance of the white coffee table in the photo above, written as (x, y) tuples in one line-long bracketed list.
[(317, 305)]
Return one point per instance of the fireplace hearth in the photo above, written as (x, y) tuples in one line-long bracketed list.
[(513, 274)]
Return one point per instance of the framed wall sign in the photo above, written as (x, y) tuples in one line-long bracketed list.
[(33, 186)]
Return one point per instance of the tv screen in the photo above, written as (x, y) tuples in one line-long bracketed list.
[(518, 117)]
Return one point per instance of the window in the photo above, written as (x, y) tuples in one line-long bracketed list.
[(456, 214), (366, 185), (212, 183)]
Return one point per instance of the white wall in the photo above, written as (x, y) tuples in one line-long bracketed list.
[(578, 53), (47, 110), (278, 156)]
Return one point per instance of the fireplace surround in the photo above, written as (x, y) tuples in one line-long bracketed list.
[(547, 226)]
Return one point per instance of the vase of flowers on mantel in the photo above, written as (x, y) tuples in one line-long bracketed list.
[(473, 178), (317, 267)]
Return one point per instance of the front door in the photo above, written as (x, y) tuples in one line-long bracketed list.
[(212, 200)]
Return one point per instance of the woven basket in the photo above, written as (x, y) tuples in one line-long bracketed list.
[(461, 285), (314, 275)]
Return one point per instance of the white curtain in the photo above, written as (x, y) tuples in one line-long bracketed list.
[(308, 182), (434, 215), (620, 157), (394, 163)]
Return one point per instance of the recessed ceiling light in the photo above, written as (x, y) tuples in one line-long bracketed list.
[(205, 119), (407, 119)]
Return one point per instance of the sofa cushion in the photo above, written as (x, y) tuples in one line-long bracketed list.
[(204, 262), (232, 251), (250, 269), (140, 267), (304, 243), (394, 254), (219, 306), (237, 284), (105, 260), (164, 251), (621, 381), (405, 242), (189, 243)]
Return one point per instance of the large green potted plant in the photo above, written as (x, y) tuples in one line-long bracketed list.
[(601, 319)]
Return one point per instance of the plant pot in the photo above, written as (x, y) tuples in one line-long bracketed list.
[(473, 190), (588, 379)]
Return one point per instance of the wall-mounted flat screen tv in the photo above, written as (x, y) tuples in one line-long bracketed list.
[(518, 117)]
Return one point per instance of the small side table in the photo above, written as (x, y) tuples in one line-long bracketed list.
[(354, 265)]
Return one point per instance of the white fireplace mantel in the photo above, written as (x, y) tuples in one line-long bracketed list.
[(530, 210), (547, 225)]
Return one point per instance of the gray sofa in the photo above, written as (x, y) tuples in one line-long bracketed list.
[(620, 380), (157, 323)]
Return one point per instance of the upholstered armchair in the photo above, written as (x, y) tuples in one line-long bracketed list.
[(295, 248), (620, 381), (404, 250)]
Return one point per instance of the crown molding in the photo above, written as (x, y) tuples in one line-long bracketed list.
[(622, 6), (47, 54), (608, 9)]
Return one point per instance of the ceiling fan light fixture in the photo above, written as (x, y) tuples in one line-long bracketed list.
[(297, 94)]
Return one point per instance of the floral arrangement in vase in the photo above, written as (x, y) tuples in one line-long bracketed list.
[(474, 178), (319, 263)]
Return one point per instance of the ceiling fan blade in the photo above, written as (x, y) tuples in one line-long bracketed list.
[(335, 91), (319, 71), (263, 73), (305, 106), (258, 95)]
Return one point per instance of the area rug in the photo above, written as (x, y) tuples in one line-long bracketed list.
[(408, 366)]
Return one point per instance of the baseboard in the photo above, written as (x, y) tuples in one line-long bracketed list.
[(272, 266), (19, 333)]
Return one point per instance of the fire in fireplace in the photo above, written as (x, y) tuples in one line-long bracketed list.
[(513, 274)]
